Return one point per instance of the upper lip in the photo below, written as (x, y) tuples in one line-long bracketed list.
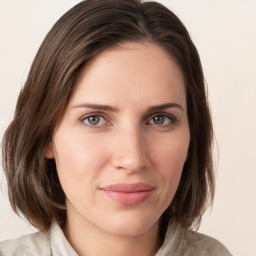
[(128, 187)]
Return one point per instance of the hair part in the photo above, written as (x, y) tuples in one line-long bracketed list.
[(84, 31)]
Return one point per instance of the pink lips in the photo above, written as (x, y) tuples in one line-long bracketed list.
[(128, 194)]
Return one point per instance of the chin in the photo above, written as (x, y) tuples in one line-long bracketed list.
[(132, 226)]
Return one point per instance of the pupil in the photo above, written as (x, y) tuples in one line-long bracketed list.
[(94, 120), (159, 119)]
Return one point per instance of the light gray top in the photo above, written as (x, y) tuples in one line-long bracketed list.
[(54, 243)]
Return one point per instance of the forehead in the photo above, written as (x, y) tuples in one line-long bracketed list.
[(131, 72)]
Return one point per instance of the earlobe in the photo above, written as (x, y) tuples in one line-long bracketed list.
[(49, 153)]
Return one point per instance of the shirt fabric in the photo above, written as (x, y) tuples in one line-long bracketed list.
[(54, 243)]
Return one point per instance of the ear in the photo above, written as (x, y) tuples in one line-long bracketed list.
[(49, 153)]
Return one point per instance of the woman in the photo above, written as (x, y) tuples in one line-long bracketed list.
[(109, 151)]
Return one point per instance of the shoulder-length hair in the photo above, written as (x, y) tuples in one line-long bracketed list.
[(84, 31)]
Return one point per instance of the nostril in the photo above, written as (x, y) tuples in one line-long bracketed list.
[(131, 164)]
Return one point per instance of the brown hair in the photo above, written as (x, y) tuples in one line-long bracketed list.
[(83, 32)]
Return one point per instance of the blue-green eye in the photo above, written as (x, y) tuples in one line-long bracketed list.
[(161, 120), (94, 120)]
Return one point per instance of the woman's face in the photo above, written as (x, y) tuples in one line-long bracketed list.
[(123, 140)]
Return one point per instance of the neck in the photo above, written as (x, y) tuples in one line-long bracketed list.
[(88, 240)]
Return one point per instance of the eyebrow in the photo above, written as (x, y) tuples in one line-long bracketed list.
[(165, 106), (97, 106), (113, 109)]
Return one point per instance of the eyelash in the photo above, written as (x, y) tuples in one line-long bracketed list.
[(95, 115), (172, 119)]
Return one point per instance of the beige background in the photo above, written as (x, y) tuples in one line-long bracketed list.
[(224, 32)]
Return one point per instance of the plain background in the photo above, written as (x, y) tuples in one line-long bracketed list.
[(225, 34)]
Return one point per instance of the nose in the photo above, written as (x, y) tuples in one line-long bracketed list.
[(130, 152)]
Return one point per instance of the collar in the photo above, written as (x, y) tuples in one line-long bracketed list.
[(59, 243)]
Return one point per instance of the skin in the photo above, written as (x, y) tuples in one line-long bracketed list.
[(127, 142)]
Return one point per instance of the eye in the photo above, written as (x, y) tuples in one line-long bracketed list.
[(94, 120), (162, 120)]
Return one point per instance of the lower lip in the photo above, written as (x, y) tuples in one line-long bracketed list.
[(128, 199)]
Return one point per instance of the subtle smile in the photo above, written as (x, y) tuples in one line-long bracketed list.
[(128, 194)]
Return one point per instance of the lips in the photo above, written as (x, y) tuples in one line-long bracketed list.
[(128, 194)]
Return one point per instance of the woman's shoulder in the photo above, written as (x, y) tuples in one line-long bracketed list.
[(182, 242), (196, 243), (27, 245)]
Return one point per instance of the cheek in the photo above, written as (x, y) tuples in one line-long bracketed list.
[(78, 166), (170, 160), (171, 170), (77, 161), (78, 151)]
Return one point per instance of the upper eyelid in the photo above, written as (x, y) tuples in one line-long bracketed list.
[(163, 114), (101, 114)]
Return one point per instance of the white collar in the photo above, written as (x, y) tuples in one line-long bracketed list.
[(59, 243), (61, 247)]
